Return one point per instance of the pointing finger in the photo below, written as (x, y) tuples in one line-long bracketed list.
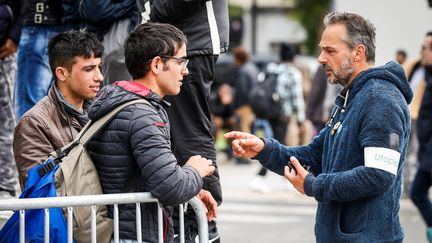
[(235, 134), (248, 142)]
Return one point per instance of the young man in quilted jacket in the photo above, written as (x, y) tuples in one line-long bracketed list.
[(206, 25), (133, 153), (356, 161), (75, 60)]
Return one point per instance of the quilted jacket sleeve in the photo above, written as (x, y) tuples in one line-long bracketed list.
[(149, 141)]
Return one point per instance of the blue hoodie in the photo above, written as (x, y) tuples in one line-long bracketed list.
[(356, 203)]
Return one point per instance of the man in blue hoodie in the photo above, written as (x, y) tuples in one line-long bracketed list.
[(355, 163)]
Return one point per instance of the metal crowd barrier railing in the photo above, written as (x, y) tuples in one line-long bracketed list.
[(22, 204)]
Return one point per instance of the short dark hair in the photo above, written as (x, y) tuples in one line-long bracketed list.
[(359, 31), (287, 52), (241, 55), (65, 46), (148, 41), (401, 52)]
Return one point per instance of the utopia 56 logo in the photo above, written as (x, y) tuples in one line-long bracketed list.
[(386, 159)]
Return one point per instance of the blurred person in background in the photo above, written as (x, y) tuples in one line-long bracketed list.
[(111, 21), (42, 19), (401, 56), (223, 118), (289, 87), (246, 79), (423, 178), (415, 73), (315, 108), (321, 100), (10, 30)]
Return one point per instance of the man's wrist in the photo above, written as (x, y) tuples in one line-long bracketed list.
[(308, 183)]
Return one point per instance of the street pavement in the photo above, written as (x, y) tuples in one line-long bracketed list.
[(281, 215)]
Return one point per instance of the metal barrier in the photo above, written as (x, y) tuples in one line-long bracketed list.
[(104, 199)]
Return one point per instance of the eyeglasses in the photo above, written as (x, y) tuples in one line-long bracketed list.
[(181, 60)]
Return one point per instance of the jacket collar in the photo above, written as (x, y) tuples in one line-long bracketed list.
[(67, 112), (134, 87), (141, 90)]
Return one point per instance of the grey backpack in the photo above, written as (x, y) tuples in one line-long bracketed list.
[(77, 175)]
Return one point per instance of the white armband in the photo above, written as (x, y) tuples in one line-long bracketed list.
[(382, 158)]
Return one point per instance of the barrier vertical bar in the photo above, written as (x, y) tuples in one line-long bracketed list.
[(70, 225), (181, 219), (116, 224), (46, 225), (22, 226), (160, 224), (138, 222), (93, 224), (201, 218)]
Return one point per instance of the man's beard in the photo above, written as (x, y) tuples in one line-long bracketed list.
[(343, 74)]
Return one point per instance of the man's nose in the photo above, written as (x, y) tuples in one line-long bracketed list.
[(321, 59), (185, 71), (98, 76)]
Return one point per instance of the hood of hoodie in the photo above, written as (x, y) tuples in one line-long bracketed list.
[(111, 96), (391, 72)]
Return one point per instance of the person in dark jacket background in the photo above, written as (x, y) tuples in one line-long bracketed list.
[(423, 178), (246, 79), (205, 23), (112, 21), (41, 20), (9, 38), (132, 153), (356, 161)]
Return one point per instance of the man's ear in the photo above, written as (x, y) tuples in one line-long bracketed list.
[(61, 73), (360, 52), (156, 65)]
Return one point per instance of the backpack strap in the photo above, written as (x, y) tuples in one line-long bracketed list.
[(85, 135), (91, 129)]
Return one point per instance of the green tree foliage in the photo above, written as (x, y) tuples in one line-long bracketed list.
[(235, 11), (310, 13)]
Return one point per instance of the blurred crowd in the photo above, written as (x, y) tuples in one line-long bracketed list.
[(301, 94)]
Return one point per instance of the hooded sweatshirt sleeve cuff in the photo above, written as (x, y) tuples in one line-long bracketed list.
[(308, 182), (264, 155)]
